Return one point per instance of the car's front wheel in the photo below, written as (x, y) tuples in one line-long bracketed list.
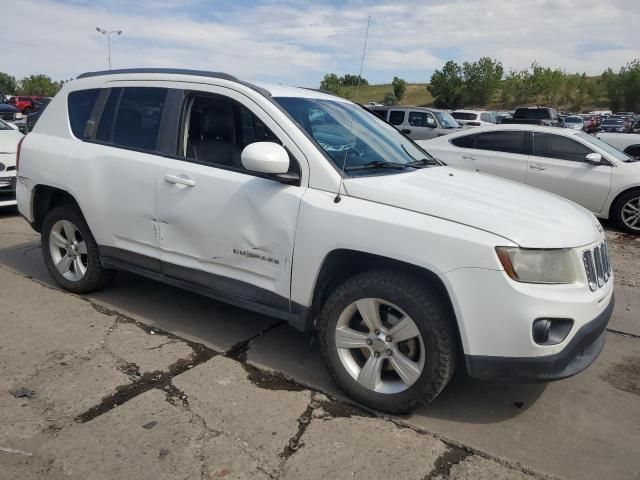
[(70, 251), (626, 212), (388, 340)]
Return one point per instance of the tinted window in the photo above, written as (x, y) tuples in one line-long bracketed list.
[(510, 142), (138, 118), (381, 113), (555, 146), (464, 115), (80, 104), (396, 117), (105, 127), (421, 119), (467, 141)]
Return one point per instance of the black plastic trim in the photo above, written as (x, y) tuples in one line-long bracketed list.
[(227, 290), (581, 351)]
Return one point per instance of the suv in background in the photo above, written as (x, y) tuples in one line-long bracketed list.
[(418, 123), (405, 268), (474, 118), (535, 116)]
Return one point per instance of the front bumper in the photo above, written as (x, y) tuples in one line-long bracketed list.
[(7, 191), (580, 352)]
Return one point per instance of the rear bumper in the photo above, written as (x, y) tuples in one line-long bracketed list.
[(583, 349)]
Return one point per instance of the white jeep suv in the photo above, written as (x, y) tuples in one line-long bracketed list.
[(307, 207)]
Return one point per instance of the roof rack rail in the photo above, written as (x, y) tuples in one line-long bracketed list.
[(176, 71)]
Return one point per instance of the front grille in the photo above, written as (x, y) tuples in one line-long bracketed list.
[(8, 116), (597, 266)]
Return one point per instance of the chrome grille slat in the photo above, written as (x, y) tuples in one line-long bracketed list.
[(597, 266)]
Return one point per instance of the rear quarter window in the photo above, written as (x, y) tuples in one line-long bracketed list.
[(396, 117), (466, 141), (80, 105)]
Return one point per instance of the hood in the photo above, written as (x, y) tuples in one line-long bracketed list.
[(5, 107), (9, 141), (528, 217)]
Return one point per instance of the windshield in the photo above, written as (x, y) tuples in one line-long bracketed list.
[(446, 120), (4, 125), (612, 151), (351, 136), (573, 120)]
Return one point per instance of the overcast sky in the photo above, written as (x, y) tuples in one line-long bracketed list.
[(296, 42)]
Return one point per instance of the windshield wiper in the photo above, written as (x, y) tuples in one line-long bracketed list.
[(419, 163), (378, 164)]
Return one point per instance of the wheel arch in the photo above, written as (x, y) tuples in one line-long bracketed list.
[(45, 198), (614, 202), (341, 264)]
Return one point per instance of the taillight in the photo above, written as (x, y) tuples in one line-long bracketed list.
[(18, 153)]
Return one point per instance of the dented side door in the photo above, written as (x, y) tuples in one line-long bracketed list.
[(229, 230)]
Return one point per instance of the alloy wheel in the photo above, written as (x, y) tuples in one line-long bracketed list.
[(631, 213), (380, 345), (68, 250)]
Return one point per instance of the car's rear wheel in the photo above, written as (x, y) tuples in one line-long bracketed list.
[(626, 212), (388, 340), (70, 251)]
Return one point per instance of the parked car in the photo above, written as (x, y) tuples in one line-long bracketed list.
[(12, 116), (614, 124), (535, 116), (33, 118), (566, 162), (418, 123), (474, 118), (25, 103), (502, 115), (404, 267), (9, 139), (575, 122)]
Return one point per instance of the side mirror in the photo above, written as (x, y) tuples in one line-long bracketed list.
[(594, 159), (265, 157)]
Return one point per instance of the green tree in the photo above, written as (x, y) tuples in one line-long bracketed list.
[(549, 84), (8, 84), (390, 99), (349, 80), (446, 86), (399, 88), (612, 84), (40, 85), (517, 88), (630, 82), (481, 80), (330, 83)]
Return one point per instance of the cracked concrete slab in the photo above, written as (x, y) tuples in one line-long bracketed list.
[(149, 352), (362, 448), (478, 468), (262, 420)]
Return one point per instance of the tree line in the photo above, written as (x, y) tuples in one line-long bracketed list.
[(485, 82), (36, 85)]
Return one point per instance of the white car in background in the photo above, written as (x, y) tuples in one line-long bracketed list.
[(474, 118), (9, 138), (574, 122), (563, 161)]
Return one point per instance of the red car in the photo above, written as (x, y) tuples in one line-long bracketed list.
[(24, 103)]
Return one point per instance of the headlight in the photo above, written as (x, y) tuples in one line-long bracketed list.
[(19, 116), (537, 266)]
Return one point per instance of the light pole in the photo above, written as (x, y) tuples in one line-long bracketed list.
[(108, 33)]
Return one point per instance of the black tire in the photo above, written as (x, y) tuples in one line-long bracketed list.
[(616, 212), (96, 276), (430, 313)]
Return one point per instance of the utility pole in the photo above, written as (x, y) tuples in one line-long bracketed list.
[(108, 34)]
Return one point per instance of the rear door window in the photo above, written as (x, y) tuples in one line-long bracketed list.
[(509, 142), (560, 147), (80, 104), (137, 121), (396, 117)]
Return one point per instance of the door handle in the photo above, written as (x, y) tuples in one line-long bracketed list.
[(179, 180), (468, 157), (537, 167), (406, 131)]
